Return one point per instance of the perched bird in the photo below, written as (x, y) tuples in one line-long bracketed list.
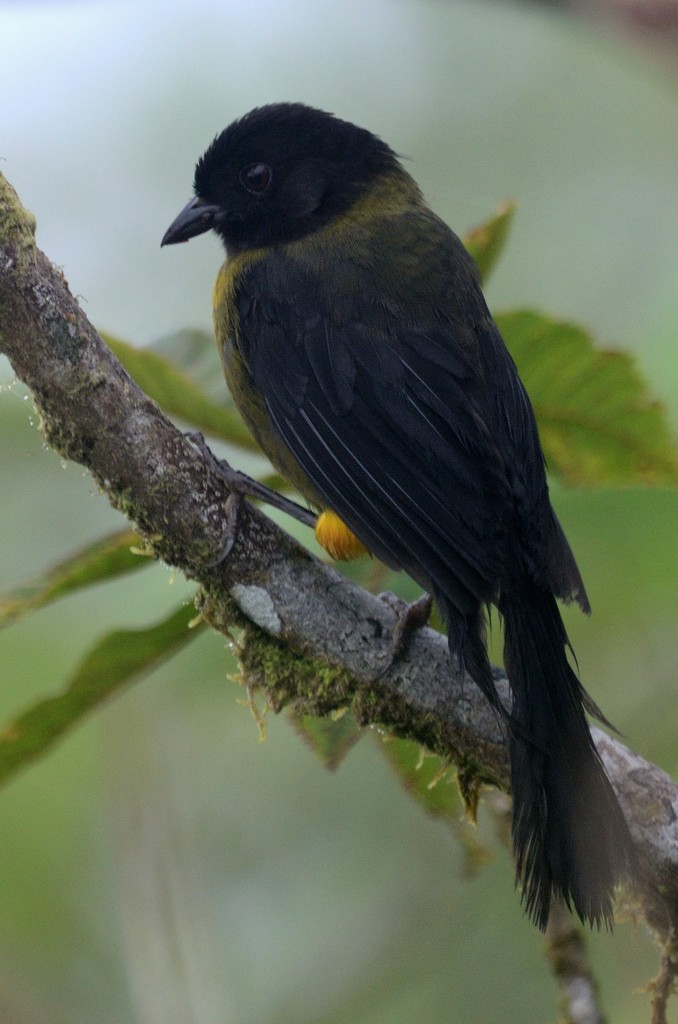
[(358, 347)]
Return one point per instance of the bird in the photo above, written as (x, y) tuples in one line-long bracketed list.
[(359, 348)]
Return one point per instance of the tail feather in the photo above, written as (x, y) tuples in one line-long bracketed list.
[(570, 836)]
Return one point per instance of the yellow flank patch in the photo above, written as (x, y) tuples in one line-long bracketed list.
[(334, 535)]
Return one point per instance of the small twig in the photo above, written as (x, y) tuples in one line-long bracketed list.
[(568, 957), (664, 985)]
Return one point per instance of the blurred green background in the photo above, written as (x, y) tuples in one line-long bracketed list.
[(162, 865)]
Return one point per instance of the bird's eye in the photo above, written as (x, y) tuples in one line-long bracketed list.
[(256, 178)]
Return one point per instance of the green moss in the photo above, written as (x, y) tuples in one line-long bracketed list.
[(310, 685), (17, 225)]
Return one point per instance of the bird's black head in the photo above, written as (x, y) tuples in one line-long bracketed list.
[(278, 173)]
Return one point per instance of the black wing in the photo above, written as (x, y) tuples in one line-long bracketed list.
[(415, 430), (390, 424)]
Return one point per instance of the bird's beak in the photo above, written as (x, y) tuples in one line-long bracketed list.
[(194, 219)]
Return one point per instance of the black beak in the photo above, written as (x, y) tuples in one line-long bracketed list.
[(194, 219)]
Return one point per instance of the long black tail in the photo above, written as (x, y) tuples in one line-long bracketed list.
[(570, 837)]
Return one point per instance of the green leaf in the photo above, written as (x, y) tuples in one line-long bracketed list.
[(112, 663), (330, 738), (436, 786), (425, 776), (103, 560), (486, 242), (597, 421), (179, 395), (195, 352)]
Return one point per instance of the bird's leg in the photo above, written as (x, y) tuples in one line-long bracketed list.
[(243, 486), (409, 618)]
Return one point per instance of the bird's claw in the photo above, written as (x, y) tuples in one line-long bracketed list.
[(242, 486), (409, 618)]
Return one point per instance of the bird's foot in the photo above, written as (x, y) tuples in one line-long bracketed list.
[(242, 486), (409, 618)]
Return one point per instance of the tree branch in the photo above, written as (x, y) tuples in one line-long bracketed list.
[(311, 639)]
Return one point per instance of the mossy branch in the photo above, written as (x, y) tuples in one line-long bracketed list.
[(311, 639)]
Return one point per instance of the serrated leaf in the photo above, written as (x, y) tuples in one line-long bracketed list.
[(330, 738), (598, 423), (179, 395), (112, 663), (425, 776), (103, 560), (486, 242), (433, 783)]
